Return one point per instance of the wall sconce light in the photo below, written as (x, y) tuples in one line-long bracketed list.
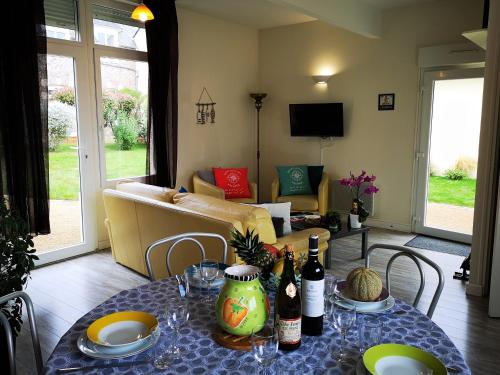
[(321, 79), (142, 13)]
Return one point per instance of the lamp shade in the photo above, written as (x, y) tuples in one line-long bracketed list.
[(142, 13)]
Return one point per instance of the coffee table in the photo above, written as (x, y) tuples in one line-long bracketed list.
[(344, 232)]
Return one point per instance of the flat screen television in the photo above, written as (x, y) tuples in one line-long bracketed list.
[(317, 120)]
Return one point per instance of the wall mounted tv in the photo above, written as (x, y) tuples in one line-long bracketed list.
[(317, 120)]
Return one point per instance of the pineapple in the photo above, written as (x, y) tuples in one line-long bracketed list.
[(251, 250)]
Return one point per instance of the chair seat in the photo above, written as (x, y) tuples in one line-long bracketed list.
[(301, 202)]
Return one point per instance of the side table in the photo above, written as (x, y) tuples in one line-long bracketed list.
[(344, 232)]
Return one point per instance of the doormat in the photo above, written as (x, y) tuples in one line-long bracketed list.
[(437, 244)]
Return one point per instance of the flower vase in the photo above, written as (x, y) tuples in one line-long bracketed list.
[(354, 221), (243, 305)]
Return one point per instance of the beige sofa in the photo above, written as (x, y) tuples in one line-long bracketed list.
[(139, 214)]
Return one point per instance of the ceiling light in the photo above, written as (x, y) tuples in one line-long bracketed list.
[(142, 13)]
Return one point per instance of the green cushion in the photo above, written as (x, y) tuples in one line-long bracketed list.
[(315, 175), (294, 180)]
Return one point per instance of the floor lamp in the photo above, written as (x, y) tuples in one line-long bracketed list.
[(258, 106)]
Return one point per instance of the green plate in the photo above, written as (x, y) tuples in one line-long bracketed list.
[(401, 356)]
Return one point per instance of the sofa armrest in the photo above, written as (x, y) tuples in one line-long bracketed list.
[(275, 190), (205, 188), (323, 190), (253, 190)]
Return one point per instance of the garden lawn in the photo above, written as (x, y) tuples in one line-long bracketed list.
[(456, 193), (63, 168)]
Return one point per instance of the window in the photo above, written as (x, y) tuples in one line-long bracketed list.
[(114, 27), (124, 93), (61, 19)]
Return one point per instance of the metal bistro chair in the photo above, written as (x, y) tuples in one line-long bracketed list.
[(177, 239), (4, 323), (416, 257)]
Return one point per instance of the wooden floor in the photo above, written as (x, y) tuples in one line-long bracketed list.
[(64, 292)]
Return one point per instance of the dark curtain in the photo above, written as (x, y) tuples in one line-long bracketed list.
[(163, 58), (23, 114)]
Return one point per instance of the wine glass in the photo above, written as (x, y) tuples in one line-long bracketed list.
[(209, 269), (265, 347), (176, 315), (343, 318), (331, 287), (369, 333)]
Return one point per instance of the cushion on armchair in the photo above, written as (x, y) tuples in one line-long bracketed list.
[(315, 175), (234, 182), (207, 176), (294, 180)]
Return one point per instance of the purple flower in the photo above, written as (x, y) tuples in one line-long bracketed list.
[(355, 183)]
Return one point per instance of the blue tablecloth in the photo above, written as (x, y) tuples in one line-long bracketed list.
[(204, 356)]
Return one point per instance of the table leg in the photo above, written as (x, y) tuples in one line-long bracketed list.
[(364, 244), (328, 255)]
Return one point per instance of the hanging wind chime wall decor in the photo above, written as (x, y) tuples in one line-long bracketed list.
[(205, 113)]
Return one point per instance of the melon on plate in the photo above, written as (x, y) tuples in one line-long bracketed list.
[(364, 284)]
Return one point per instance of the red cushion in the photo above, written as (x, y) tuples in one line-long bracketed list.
[(234, 182)]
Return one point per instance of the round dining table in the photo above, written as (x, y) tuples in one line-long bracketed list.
[(202, 355)]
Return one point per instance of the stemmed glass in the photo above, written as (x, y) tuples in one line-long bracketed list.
[(343, 318), (369, 333), (331, 287), (209, 269), (265, 347), (176, 315)]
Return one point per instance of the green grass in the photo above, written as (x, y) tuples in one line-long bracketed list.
[(457, 193), (63, 168), (120, 164)]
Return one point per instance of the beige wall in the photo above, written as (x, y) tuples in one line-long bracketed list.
[(223, 57), (380, 142)]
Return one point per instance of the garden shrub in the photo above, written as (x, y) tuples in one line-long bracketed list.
[(467, 164), (125, 131), (455, 174), (125, 101), (65, 95), (61, 118)]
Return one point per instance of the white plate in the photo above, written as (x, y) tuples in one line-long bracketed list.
[(90, 349), (389, 304), (343, 293), (397, 365)]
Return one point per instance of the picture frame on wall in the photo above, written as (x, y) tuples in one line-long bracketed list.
[(386, 102)]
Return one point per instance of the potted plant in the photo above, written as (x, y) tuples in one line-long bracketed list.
[(359, 186), (17, 257), (332, 219)]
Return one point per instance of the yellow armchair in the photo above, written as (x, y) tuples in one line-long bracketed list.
[(202, 187), (317, 202)]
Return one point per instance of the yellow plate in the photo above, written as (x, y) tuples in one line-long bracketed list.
[(122, 328)]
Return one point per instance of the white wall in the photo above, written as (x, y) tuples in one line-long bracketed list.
[(380, 142)]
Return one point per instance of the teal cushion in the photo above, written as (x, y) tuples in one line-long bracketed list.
[(315, 175), (294, 180)]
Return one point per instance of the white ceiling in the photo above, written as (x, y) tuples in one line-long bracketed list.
[(260, 14), (360, 16), (388, 4)]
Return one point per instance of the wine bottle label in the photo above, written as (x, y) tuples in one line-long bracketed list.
[(291, 290), (289, 330), (312, 298)]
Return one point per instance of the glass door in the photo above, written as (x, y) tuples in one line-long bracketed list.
[(71, 206), (448, 151)]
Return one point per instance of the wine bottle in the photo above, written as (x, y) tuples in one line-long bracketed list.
[(313, 286), (288, 309)]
